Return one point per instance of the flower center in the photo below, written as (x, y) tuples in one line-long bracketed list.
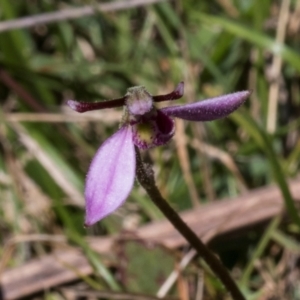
[(150, 126), (138, 100)]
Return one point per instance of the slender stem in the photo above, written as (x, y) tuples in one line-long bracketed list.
[(146, 178)]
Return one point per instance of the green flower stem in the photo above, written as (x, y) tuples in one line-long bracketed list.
[(145, 177)]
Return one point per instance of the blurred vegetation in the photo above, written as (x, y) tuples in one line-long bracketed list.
[(215, 47)]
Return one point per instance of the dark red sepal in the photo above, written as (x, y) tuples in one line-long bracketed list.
[(87, 106), (176, 94)]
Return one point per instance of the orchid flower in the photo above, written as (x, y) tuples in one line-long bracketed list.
[(112, 171)]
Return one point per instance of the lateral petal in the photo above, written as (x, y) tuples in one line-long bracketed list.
[(210, 109), (88, 106), (111, 176), (176, 94)]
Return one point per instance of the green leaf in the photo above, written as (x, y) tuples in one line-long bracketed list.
[(243, 118), (255, 37)]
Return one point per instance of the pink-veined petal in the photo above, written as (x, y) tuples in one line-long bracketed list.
[(210, 109), (110, 177)]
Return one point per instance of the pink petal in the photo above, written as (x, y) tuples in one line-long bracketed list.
[(111, 176), (210, 109)]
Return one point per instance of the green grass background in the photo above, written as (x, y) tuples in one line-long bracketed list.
[(215, 47)]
